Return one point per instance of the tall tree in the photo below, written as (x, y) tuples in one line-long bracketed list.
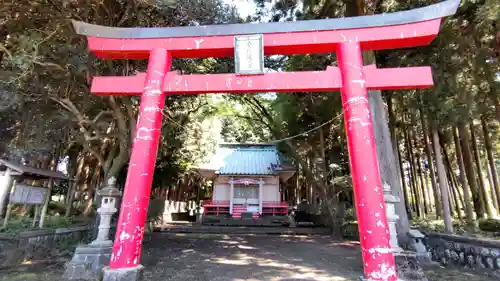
[(443, 181)]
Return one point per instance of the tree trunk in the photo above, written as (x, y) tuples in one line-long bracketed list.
[(414, 164), (454, 187), (491, 189), (73, 186), (397, 152), (422, 185), (322, 164), (93, 186), (469, 211), (297, 187), (449, 175), (491, 162), (454, 204), (482, 187), (430, 162), (411, 174), (118, 162), (443, 183), (306, 183), (457, 191), (403, 181), (497, 106), (470, 171)]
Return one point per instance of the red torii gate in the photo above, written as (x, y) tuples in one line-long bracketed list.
[(348, 37)]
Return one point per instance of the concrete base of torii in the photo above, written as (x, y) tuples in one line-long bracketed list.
[(407, 267), (124, 274)]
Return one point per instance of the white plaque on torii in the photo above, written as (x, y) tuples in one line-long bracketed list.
[(249, 54)]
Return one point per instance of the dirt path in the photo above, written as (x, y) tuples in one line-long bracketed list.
[(199, 257)]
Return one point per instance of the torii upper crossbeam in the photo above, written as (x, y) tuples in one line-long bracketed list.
[(348, 37)]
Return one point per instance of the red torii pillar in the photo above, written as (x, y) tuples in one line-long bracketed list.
[(348, 37)]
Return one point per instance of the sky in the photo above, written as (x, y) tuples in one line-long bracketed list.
[(245, 7), (248, 7)]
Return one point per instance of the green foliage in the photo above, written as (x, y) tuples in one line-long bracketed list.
[(350, 230), (56, 208), (16, 225), (488, 227)]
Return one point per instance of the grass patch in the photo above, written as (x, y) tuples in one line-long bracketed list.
[(488, 228)]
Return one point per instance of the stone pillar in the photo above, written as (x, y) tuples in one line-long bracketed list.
[(378, 260), (89, 260), (392, 217)]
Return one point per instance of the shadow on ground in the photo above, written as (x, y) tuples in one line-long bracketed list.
[(200, 257)]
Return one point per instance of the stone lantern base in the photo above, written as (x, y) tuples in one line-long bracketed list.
[(408, 267), (88, 262)]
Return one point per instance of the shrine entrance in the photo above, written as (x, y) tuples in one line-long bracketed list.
[(347, 37), (247, 196)]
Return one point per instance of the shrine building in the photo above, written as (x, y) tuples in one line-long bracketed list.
[(247, 181)]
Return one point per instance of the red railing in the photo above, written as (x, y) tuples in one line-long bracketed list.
[(275, 208), (215, 207), (213, 203), (275, 204)]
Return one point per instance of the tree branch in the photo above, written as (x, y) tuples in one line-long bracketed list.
[(120, 118), (127, 101), (99, 115)]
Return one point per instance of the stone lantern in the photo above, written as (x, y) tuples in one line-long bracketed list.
[(109, 195), (407, 264), (89, 260), (392, 217)]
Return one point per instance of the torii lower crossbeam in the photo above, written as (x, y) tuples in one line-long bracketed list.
[(303, 81)]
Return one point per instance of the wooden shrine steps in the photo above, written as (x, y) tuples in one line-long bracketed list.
[(239, 210)]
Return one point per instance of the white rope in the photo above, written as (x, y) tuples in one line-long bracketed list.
[(309, 131), (167, 116)]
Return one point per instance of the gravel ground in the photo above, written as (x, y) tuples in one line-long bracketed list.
[(200, 257)]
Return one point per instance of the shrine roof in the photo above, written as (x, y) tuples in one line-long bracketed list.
[(245, 159), (21, 170)]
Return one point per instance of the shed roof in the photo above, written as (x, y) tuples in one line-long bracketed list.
[(245, 159), (22, 170)]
